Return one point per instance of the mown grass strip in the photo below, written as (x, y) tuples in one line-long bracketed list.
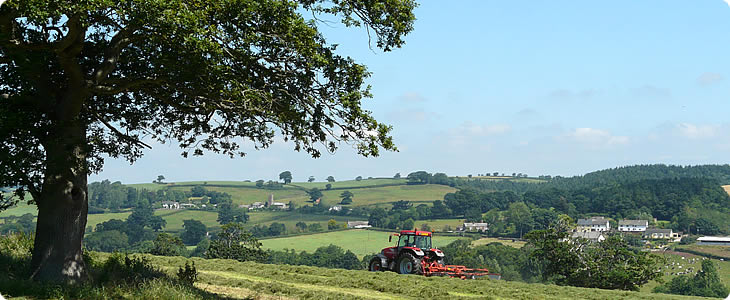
[(361, 293)]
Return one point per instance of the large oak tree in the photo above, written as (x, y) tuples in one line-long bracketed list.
[(84, 80)]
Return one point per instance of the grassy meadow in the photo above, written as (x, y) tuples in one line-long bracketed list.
[(360, 241), (506, 242), (687, 261), (719, 251), (250, 280), (727, 188)]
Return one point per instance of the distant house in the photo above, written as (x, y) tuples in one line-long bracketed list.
[(474, 227), (170, 205), (278, 205), (593, 236), (188, 205), (633, 225), (659, 234), (358, 224), (593, 224), (336, 208), (714, 240), (246, 206), (257, 205)]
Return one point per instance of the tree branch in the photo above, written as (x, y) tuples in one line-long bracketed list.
[(124, 86), (121, 40), (119, 133)]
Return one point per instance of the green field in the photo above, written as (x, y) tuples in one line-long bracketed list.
[(20, 209), (426, 193), (94, 219), (719, 251), (353, 184), (360, 241), (689, 261), (262, 281), (439, 224), (485, 241)]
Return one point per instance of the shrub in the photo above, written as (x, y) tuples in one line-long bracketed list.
[(188, 275), (120, 268)]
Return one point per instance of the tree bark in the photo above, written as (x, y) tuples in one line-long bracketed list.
[(62, 208)]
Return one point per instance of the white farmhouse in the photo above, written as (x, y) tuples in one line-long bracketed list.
[(475, 227), (170, 205), (593, 224), (633, 225), (593, 236), (358, 224)]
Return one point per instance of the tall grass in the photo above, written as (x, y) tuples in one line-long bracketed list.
[(116, 277)]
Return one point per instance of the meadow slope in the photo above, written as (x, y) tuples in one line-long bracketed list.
[(359, 241), (262, 281)]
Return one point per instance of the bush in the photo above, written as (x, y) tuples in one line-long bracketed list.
[(15, 253), (188, 275), (120, 268)]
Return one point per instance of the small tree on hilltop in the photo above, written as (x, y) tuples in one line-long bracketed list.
[(330, 178), (311, 179), (358, 178), (285, 176)]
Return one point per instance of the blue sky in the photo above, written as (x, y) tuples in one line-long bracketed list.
[(535, 87)]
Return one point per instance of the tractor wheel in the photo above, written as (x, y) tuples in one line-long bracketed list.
[(408, 264), (375, 265)]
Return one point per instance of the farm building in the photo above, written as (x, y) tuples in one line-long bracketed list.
[(358, 224), (714, 240), (593, 236), (474, 226), (277, 205), (170, 205), (662, 234), (633, 225), (593, 224)]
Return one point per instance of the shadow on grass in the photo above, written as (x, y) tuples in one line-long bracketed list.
[(118, 277)]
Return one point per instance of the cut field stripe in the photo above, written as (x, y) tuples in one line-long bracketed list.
[(349, 291)]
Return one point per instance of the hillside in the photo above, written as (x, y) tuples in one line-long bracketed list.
[(261, 281), (359, 241), (366, 192)]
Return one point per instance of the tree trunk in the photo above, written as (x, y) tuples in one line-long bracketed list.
[(62, 208)]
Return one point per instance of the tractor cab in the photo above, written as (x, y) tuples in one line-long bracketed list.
[(416, 242), (414, 239)]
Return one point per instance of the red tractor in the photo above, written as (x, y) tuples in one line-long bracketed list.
[(414, 254)]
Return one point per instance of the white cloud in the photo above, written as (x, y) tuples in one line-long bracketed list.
[(486, 130), (728, 2), (596, 137), (697, 131), (710, 78), (412, 97)]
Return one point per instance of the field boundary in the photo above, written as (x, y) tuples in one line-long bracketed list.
[(700, 253), (303, 233)]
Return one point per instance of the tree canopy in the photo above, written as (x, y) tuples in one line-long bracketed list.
[(87, 80)]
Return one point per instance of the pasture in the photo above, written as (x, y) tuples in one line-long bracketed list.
[(679, 262), (426, 194), (290, 219), (251, 280), (727, 188), (507, 242), (360, 241)]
